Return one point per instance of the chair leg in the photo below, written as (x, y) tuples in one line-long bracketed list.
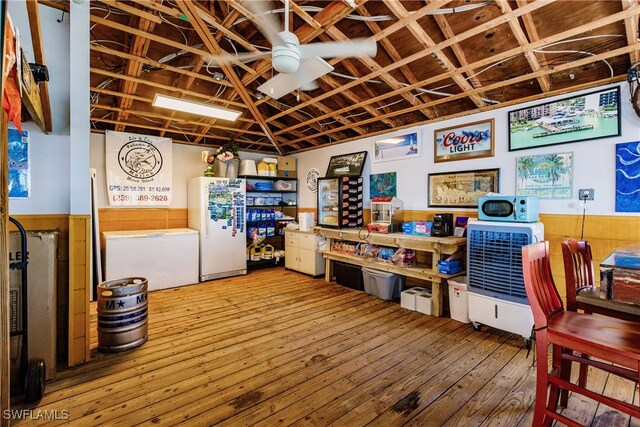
[(554, 391), (566, 375), (542, 380)]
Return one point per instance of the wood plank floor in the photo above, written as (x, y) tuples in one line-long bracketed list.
[(278, 348)]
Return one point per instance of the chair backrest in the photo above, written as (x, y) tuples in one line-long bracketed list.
[(538, 281), (578, 269)]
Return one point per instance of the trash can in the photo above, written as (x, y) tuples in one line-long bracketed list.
[(458, 302), (386, 286), (122, 314)]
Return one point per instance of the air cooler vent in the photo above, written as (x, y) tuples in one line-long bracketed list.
[(495, 263)]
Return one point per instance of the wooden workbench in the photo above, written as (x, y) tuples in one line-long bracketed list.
[(436, 247)]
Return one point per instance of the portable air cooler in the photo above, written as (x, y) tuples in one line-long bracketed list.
[(496, 292)]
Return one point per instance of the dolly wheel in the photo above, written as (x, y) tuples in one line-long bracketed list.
[(34, 380), (476, 326), (527, 343)]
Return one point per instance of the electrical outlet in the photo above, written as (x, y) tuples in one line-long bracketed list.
[(586, 193)]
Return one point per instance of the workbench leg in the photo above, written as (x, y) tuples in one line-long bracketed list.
[(328, 270), (437, 293)]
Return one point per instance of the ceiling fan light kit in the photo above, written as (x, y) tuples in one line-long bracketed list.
[(192, 107)]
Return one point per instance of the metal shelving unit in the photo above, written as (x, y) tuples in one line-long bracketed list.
[(284, 196)]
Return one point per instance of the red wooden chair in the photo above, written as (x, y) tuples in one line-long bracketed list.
[(572, 335), (582, 294)]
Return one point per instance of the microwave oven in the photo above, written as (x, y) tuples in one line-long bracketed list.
[(509, 208)]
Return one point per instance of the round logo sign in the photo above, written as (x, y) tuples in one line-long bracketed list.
[(140, 159), (312, 179)]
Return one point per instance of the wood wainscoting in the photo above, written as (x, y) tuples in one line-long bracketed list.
[(119, 219)]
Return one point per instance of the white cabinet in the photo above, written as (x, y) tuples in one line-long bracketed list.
[(301, 252)]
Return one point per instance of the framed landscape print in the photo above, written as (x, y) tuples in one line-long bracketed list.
[(469, 141), (397, 148), (628, 177), (590, 116), (461, 189), (346, 164), (548, 176)]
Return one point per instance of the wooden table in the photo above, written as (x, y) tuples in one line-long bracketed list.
[(620, 275), (435, 247)]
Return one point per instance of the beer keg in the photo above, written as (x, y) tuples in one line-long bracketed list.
[(122, 314)]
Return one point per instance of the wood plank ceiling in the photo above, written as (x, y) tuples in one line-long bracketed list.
[(435, 60)]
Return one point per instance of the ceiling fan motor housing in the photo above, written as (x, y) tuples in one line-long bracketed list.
[(286, 56)]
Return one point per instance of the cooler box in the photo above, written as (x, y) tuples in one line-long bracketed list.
[(458, 302), (348, 275), (386, 286)]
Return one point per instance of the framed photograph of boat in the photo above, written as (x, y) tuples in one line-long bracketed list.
[(461, 189), (397, 147), (346, 164), (468, 141), (589, 116)]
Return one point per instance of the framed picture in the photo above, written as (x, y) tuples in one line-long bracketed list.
[(627, 177), (590, 116), (19, 164), (461, 189), (397, 148), (382, 184), (469, 141), (346, 164), (548, 176)]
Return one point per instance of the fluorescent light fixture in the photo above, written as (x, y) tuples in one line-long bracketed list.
[(192, 107), (391, 141)]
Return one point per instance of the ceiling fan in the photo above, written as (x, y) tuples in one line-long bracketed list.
[(298, 64)]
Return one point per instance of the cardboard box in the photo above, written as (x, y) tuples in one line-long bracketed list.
[(42, 250), (287, 167)]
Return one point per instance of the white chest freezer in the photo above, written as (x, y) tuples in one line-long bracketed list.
[(167, 258)]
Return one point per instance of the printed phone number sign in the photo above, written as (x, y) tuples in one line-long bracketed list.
[(139, 169)]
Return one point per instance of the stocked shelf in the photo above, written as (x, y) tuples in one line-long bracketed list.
[(268, 178), (272, 191), (273, 206), (435, 248), (420, 271)]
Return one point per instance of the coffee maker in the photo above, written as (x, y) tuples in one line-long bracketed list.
[(442, 225)]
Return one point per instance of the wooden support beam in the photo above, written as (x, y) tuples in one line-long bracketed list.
[(38, 53), (423, 38), (543, 81), (467, 34), (190, 10), (631, 30)]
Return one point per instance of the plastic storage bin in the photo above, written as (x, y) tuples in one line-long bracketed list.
[(408, 297), (386, 286), (458, 302), (348, 275)]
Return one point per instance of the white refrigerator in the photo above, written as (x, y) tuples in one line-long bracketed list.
[(217, 210)]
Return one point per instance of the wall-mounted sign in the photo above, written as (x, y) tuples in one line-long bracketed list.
[(139, 169), (469, 141)]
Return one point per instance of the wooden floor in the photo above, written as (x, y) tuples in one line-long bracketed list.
[(278, 348)]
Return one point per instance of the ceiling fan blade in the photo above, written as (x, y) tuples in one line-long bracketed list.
[(282, 84), (347, 48), (240, 57), (265, 21)]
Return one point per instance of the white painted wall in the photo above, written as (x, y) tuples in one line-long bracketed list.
[(186, 165), (594, 162), (50, 154)]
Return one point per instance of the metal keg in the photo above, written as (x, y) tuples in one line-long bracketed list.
[(122, 314)]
